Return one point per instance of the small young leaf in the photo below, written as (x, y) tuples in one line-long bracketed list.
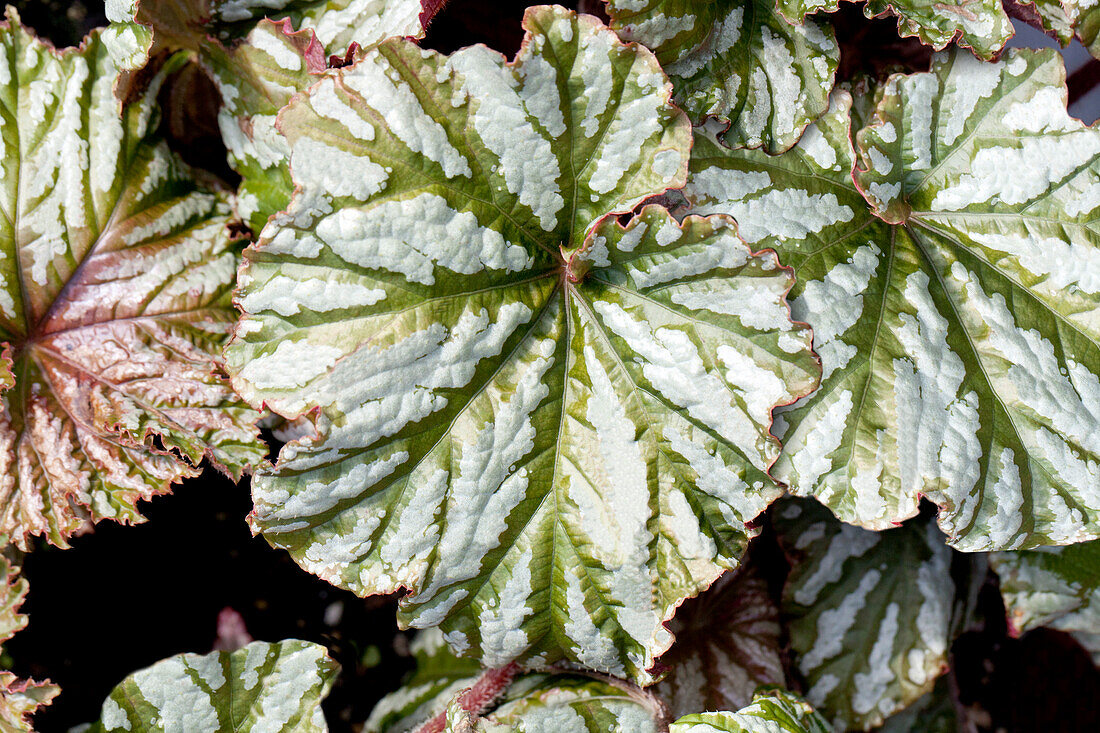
[(981, 25), (727, 645), (550, 428), (960, 346), (114, 296), (439, 677), (739, 61), (869, 612), (267, 687), (1058, 587), (447, 692), (772, 711)]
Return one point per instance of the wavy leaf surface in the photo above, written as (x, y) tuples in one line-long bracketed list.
[(960, 344), (114, 296), (1058, 587), (738, 61), (268, 687), (980, 25), (869, 613), (549, 427), (727, 645), (771, 711)]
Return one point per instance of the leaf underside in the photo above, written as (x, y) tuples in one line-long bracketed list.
[(269, 687), (550, 428), (961, 343), (115, 296), (869, 613), (738, 61), (727, 645)]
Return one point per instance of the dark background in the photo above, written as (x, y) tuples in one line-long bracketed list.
[(125, 597)]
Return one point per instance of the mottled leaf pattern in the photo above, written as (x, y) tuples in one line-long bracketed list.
[(727, 645), (115, 290), (550, 428), (869, 613), (739, 61), (960, 347), (981, 25), (19, 698), (1057, 587), (268, 687), (771, 711)]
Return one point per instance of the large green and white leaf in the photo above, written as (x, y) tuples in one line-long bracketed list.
[(738, 61), (1064, 19), (980, 25), (771, 711), (268, 687), (727, 645), (115, 296), (550, 428), (190, 24), (1058, 587), (19, 698), (869, 613), (960, 346)]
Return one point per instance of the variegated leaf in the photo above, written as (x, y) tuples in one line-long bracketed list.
[(190, 24), (739, 61), (256, 79), (961, 346), (727, 645), (869, 613), (980, 25), (771, 711), (115, 296), (19, 698), (550, 428), (262, 687), (1058, 587), (448, 692), (439, 677)]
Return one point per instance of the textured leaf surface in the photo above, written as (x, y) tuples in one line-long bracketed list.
[(959, 347), (115, 297), (549, 427), (19, 698), (771, 711), (739, 61), (269, 687), (1057, 587), (569, 704), (981, 25), (869, 613), (727, 645)]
